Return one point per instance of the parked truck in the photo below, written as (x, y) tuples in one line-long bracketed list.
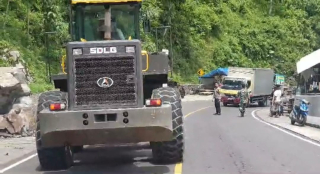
[(279, 79), (259, 83)]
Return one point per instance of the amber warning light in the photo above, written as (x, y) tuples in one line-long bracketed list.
[(153, 102), (57, 106)]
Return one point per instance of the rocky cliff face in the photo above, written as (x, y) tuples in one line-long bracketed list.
[(17, 107)]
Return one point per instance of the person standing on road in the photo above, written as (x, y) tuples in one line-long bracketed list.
[(282, 102), (276, 100), (243, 95), (216, 98)]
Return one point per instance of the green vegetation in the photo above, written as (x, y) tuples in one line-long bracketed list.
[(206, 33)]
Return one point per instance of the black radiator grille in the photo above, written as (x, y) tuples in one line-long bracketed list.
[(119, 69)]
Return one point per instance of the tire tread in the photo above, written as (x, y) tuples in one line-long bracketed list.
[(170, 151), (54, 158)]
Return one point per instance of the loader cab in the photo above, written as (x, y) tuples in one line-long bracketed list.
[(91, 21)]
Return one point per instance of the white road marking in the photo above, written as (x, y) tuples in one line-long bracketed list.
[(282, 130), (17, 163)]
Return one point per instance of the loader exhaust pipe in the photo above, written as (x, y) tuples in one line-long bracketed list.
[(107, 22)]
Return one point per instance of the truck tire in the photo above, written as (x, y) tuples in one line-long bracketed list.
[(260, 104), (170, 151), (263, 103), (53, 158)]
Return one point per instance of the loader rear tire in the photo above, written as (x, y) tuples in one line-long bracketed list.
[(53, 158), (170, 151)]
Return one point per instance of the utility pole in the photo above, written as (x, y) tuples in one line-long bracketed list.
[(48, 59), (270, 8), (4, 23), (171, 50), (28, 22)]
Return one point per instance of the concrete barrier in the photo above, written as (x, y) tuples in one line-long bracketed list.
[(190, 88)]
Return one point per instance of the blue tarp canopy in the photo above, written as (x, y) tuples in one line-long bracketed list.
[(219, 71)]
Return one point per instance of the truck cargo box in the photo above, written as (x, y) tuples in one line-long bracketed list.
[(260, 80)]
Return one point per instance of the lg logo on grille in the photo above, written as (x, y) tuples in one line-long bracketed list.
[(105, 50)]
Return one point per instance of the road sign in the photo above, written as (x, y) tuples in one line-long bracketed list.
[(200, 72)]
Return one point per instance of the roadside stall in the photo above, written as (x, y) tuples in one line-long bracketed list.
[(207, 81), (308, 87)]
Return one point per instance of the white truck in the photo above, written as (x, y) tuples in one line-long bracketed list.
[(259, 83)]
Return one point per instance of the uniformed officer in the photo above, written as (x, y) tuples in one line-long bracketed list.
[(243, 95)]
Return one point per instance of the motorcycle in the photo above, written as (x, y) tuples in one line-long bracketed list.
[(299, 113)]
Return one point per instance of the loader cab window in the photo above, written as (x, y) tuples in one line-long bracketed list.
[(89, 22)]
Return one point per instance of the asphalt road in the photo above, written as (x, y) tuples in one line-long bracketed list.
[(225, 144)]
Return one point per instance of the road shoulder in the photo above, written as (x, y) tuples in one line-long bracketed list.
[(15, 149), (284, 123)]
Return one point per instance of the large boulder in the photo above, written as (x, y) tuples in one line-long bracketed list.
[(16, 104), (14, 55), (15, 122), (190, 88), (12, 88)]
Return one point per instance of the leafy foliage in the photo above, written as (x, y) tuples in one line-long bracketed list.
[(205, 33)]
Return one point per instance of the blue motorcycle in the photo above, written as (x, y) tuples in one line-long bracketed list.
[(299, 113)]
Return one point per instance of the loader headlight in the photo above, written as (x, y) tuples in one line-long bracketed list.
[(77, 51)]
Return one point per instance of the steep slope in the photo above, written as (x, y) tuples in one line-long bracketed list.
[(205, 33)]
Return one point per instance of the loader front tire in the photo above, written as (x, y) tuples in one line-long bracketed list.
[(170, 151), (53, 158)]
